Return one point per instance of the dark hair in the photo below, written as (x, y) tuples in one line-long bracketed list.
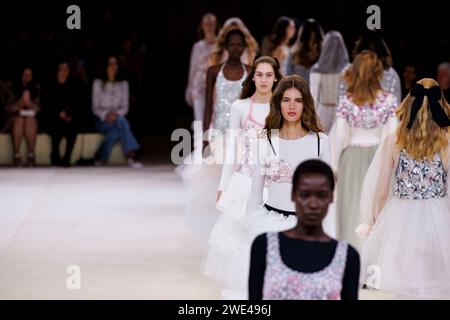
[(248, 86), (372, 40), (235, 32), (313, 166), (279, 32), (104, 73), (307, 47), (61, 61), (32, 87)]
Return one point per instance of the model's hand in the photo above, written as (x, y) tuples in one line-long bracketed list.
[(219, 194)]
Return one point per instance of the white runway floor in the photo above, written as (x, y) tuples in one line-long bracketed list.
[(124, 228)]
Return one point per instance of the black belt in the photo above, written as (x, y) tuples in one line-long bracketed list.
[(283, 212)]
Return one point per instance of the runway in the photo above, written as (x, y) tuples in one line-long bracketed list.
[(122, 227)]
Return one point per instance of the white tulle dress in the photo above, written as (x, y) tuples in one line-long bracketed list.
[(201, 178), (247, 119), (406, 211)]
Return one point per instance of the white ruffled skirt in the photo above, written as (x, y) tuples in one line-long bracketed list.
[(408, 249), (227, 234), (228, 258)]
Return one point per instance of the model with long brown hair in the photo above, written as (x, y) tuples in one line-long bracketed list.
[(292, 134), (306, 50), (281, 39), (251, 110), (247, 117)]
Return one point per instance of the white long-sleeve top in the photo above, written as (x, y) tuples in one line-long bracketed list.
[(365, 125), (110, 97)]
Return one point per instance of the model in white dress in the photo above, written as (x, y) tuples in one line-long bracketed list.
[(247, 118), (244, 200), (361, 124), (201, 181), (405, 203)]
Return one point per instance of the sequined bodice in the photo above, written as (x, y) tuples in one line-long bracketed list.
[(226, 92), (367, 116), (284, 283), (424, 179)]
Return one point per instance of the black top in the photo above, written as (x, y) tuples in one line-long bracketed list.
[(59, 97), (303, 256)]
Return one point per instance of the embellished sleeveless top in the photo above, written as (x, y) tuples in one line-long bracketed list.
[(226, 92), (252, 129), (420, 180), (284, 283)]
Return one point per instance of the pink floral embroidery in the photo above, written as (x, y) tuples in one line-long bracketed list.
[(279, 171), (369, 115)]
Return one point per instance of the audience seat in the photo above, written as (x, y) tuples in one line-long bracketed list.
[(86, 145)]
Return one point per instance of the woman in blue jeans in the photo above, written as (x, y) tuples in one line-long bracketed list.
[(110, 100)]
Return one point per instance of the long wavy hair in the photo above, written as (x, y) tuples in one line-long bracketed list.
[(363, 77), (279, 32), (248, 86), (309, 119), (426, 137), (32, 86), (219, 47), (306, 49)]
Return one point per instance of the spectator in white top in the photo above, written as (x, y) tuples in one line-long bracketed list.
[(110, 100)]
